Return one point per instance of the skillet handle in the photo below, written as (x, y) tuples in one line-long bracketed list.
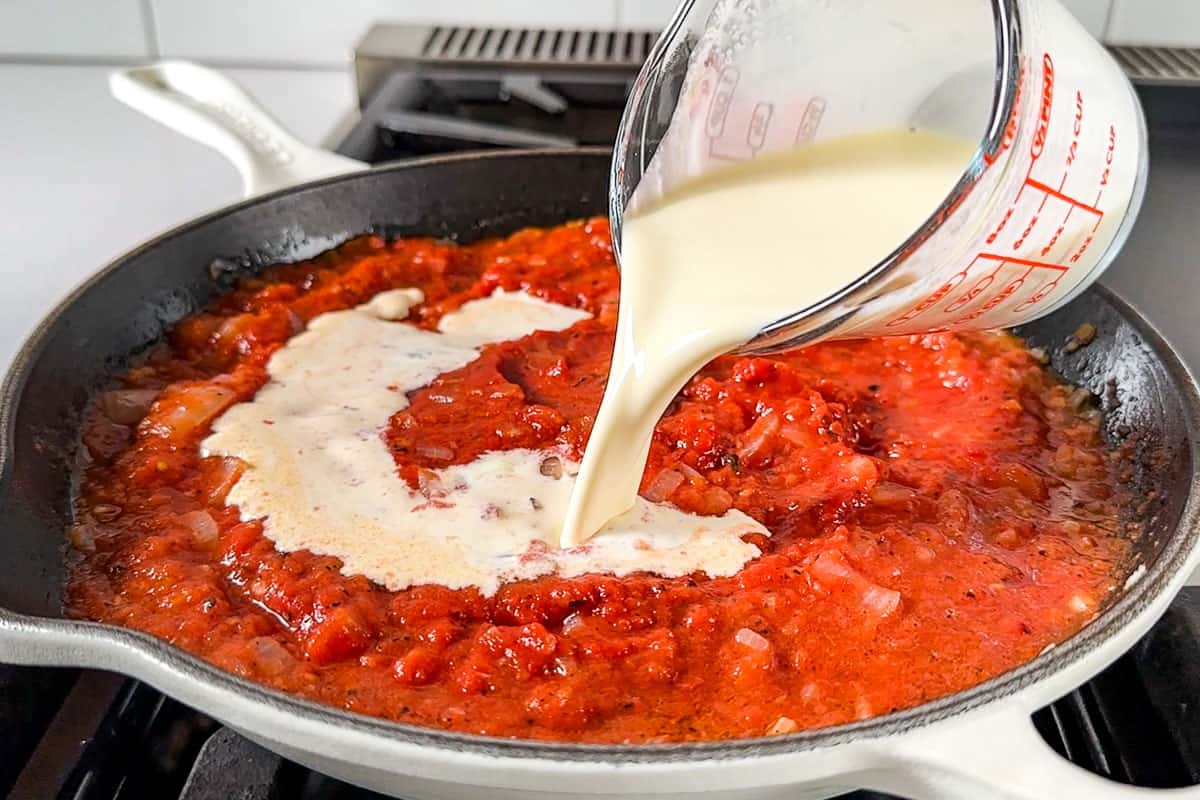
[(210, 108), (999, 754)]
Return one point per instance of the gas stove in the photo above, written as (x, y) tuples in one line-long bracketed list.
[(91, 735)]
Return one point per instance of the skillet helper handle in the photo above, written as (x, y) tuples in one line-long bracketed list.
[(999, 754), (208, 107)]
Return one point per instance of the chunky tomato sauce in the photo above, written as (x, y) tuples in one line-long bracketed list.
[(941, 509)]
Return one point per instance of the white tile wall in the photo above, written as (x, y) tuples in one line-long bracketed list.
[(319, 116), (78, 28), (83, 178), (323, 32), (656, 13), (1168, 23), (644, 14), (1092, 13), (286, 31)]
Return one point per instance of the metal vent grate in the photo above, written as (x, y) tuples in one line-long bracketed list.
[(536, 46), (1162, 66), (545, 53)]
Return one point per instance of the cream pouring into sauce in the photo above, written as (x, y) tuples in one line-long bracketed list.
[(320, 477), (707, 267)]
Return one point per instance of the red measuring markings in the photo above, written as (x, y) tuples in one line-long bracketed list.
[(1036, 147), (1052, 192), (982, 285), (1047, 193), (1109, 155), (929, 302), (997, 278), (972, 294), (1043, 124), (1039, 294), (1007, 291), (1062, 227), (1072, 154), (1076, 129)]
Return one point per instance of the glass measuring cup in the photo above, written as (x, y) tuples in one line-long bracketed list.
[(1041, 209)]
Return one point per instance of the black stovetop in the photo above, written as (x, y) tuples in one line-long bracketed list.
[(90, 735)]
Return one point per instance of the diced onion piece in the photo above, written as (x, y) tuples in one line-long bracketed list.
[(203, 527), (224, 476), (831, 567), (801, 437), (886, 493), (434, 452), (191, 407), (783, 725), (666, 482), (429, 484), (693, 477), (880, 601), (862, 708), (127, 406), (82, 537), (551, 467), (756, 440), (751, 639), (295, 320), (105, 512), (271, 657)]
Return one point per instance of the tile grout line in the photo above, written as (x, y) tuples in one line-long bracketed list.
[(40, 60), (1108, 21), (150, 26)]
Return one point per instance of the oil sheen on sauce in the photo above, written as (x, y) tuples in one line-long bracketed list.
[(704, 269)]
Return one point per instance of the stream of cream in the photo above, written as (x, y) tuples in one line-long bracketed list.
[(707, 267)]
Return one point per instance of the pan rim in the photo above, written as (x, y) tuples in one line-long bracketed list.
[(125, 647)]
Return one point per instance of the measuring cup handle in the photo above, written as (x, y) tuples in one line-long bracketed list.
[(213, 110)]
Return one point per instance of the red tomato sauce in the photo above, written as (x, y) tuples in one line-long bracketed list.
[(941, 507)]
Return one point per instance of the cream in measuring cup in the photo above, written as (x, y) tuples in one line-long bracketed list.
[(833, 171)]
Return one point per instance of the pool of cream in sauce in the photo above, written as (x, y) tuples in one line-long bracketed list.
[(321, 478)]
